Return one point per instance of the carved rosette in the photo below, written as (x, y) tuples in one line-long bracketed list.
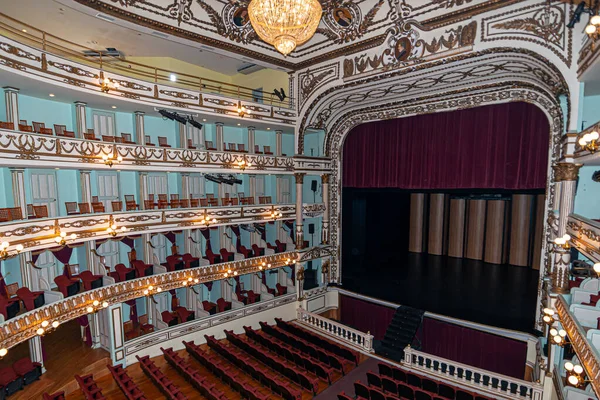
[(565, 171)]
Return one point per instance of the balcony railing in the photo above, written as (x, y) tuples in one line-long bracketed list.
[(24, 326), (585, 236), (335, 330), (20, 149), (497, 385), (40, 233), (47, 42)]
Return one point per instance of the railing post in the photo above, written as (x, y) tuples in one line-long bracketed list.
[(43, 40)]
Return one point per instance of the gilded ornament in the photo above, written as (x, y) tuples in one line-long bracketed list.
[(566, 171)]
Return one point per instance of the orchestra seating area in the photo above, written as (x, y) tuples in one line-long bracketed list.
[(126, 138)]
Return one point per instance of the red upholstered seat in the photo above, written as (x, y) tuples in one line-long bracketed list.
[(209, 306), (280, 246), (184, 314), (9, 307), (212, 257), (66, 285), (174, 263), (226, 255), (90, 281), (245, 251), (258, 251), (10, 381), (142, 269), (54, 396), (190, 261), (27, 370), (223, 305), (168, 318), (30, 299), (124, 272), (281, 290)]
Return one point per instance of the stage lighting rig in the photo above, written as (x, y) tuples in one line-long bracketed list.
[(194, 123), (173, 116), (593, 27)]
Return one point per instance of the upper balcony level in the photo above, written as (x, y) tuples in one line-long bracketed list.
[(27, 51)]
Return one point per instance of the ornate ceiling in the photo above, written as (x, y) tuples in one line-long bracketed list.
[(346, 26)]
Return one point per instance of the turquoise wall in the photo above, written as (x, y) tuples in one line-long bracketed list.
[(6, 198), (47, 111)]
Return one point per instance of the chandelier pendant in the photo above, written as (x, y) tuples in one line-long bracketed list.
[(285, 24)]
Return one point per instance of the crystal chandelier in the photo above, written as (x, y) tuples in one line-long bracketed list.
[(285, 24)]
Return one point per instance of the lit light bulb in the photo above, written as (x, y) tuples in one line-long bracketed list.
[(123, 229), (595, 20), (57, 239), (566, 237), (597, 268), (3, 352), (235, 273), (553, 332), (225, 274), (146, 292), (119, 158), (582, 142), (90, 310), (573, 380), (40, 331), (158, 290), (562, 333), (55, 324), (557, 339), (63, 234), (150, 287), (569, 366), (20, 248), (590, 29), (5, 245), (73, 236), (578, 369), (45, 324), (96, 303), (594, 135), (260, 267), (105, 304), (196, 280)]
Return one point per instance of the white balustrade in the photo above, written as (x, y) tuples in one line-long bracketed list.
[(340, 332), (498, 385)]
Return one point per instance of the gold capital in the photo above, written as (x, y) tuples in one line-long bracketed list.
[(565, 171)]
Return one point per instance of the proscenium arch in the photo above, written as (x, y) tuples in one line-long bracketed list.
[(450, 101)]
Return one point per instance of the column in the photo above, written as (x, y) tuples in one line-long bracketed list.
[(417, 208), (219, 136), (27, 276), (86, 186), (140, 133), (299, 280), (148, 253), (35, 351), (278, 145), (494, 231), (251, 139), (299, 223), (520, 231), (325, 226), (11, 97), (80, 119), (456, 228), (252, 186), (436, 224), (565, 176), (183, 143), (143, 189), (475, 229), (86, 197), (94, 321), (18, 188)]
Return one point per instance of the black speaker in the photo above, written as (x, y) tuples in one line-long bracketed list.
[(311, 229), (310, 279), (313, 185)]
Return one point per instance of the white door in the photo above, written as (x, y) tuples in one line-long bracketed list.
[(157, 184), (197, 136), (104, 123), (283, 190), (105, 328), (110, 251), (160, 247), (108, 188), (197, 246), (44, 192), (197, 189), (48, 267)]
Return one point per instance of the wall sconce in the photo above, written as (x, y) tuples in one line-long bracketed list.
[(96, 306), (3, 352), (46, 327), (563, 242), (241, 110), (110, 160), (589, 141), (106, 84), (242, 164), (205, 221), (548, 317), (113, 230), (61, 239), (5, 253), (574, 374), (593, 28), (274, 214), (559, 337)]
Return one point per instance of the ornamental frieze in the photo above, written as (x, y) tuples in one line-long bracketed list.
[(71, 69), (16, 51)]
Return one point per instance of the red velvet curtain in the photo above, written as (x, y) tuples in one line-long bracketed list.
[(365, 316), (475, 348), (85, 323), (206, 234), (236, 231), (133, 316), (503, 146)]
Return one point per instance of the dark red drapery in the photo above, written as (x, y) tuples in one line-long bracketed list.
[(475, 348), (365, 316), (133, 316), (206, 234), (85, 323), (502, 146)]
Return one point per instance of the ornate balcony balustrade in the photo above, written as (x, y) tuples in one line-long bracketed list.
[(20, 149), (40, 55), (340, 332), (497, 385), (312, 165), (585, 236), (40, 233), (586, 353), (24, 326)]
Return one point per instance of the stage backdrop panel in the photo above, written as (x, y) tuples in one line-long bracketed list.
[(503, 146)]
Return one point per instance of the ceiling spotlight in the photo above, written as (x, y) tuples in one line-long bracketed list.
[(173, 78), (24, 30), (51, 95), (204, 119)]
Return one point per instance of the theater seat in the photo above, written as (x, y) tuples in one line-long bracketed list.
[(281, 290), (54, 396), (9, 307), (27, 370), (258, 251), (226, 255), (124, 272), (212, 257), (184, 314), (142, 269), (67, 286), (223, 305), (174, 263), (31, 300), (190, 261), (245, 251), (210, 307), (168, 318), (10, 381), (90, 281)]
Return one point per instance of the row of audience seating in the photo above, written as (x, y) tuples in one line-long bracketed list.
[(303, 361), (125, 383), (125, 138), (309, 381), (20, 374), (10, 305), (316, 352), (254, 368), (319, 340), (89, 387), (166, 386), (69, 283), (179, 316), (192, 375)]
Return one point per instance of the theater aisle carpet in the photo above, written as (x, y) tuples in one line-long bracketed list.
[(346, 384)]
